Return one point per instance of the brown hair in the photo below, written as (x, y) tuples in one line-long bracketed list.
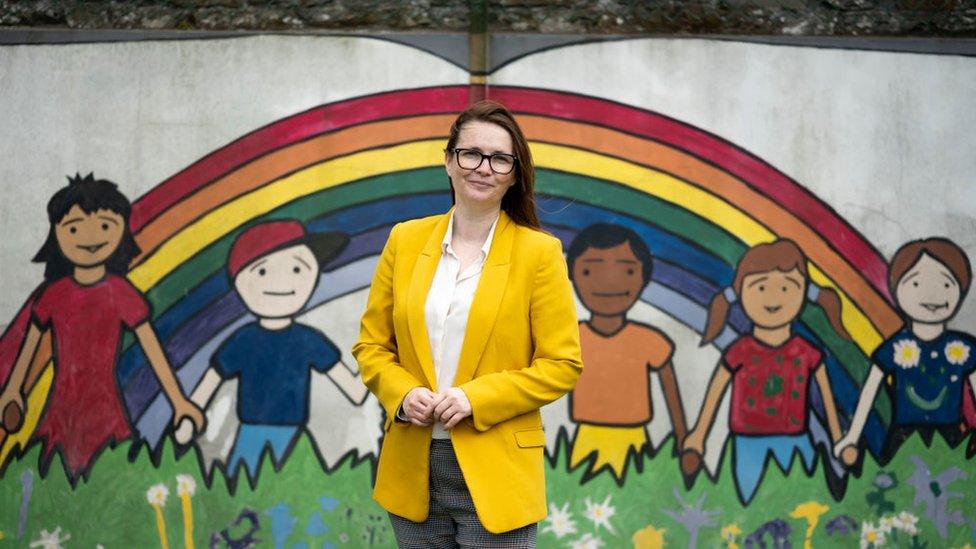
[(942, 250), (519, 200), (782, 255)]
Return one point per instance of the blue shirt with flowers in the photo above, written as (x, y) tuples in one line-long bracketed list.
[(929, 376)]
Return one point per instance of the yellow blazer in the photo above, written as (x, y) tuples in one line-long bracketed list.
[(520, 351)]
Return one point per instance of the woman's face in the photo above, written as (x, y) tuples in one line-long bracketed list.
[(480, 186), (89, 239), (928, 292), (773, 299)]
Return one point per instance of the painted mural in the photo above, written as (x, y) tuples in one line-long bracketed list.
[(756, 372)]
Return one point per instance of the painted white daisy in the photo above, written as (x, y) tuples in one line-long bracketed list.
[(600, 513), (586, 542), (156, 495), (907, 353), (871, 536), (185, 485), (560, 521), (908, 523), (886, 524), (50, 540), (957, 352)]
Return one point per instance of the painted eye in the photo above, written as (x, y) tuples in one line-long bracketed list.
[(784, 289), (762, 288), (73, 230), (915, 284), (104, 226), (262, 272), (296, 270), (630, 271), (947, 285), (586, 272)]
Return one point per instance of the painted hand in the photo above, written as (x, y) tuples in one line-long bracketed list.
[(452, 408), (846, 449), (184, 408), (695, 441), (418, 406)]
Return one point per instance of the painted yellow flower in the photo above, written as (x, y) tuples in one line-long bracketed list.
[(957, 352), (907, 353), (730, 532), (648, 537)]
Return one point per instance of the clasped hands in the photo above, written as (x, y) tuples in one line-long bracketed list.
[(423, 407)]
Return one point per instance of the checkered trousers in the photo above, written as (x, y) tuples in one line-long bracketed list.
[(452, 521)]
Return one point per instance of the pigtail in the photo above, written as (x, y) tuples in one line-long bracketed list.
[(829, 301), (718, 314)]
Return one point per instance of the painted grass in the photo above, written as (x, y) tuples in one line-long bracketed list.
[(301, 506)]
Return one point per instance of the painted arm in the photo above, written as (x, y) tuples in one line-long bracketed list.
[(673, 399), (864, 404), (716, 387), (201, 397), (556, 360), (830, 407), (376, 351), (348, 382), (15, 383), (182, 407)]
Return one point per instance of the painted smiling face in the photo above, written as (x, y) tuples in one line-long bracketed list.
[(279, 284), (89, 239), (774, 298), (928, 292), (608, 280)]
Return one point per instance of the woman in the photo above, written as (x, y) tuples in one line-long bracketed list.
[(929, 363), (470, 327)]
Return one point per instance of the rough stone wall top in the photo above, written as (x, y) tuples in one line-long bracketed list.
[(770, 17)]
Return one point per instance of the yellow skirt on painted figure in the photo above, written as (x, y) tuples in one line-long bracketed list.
[(609, 446)]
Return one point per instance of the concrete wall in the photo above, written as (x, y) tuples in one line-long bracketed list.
[(702, 147)]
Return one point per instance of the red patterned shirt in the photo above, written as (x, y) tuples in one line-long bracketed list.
[(769, 385)]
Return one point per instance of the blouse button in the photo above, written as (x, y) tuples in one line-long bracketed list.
[(935, 354)]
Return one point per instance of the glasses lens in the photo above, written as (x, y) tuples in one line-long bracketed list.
[(468, 159), (502, 163)]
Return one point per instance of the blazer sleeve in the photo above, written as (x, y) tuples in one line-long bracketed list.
[(556, 359), (376, 351)]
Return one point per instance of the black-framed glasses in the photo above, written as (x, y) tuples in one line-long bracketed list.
[(471, 159)]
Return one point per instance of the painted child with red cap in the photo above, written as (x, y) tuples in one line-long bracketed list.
[(275, 267)]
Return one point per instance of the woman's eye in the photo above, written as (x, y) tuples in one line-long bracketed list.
[(915, 284), (762, 288), (261, 272), (630, 271), (104, 226), (586, 272), (73, 230), (296, 270), (784, 289)]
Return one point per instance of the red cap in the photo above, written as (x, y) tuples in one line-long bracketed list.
[(260, 240)]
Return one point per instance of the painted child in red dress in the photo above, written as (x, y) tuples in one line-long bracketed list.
[(771, 368), (85, 303)]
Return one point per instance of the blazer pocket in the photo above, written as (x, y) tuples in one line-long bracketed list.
[(530, 438)]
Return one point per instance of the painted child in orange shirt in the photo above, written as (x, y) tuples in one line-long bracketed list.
[(610, 265)]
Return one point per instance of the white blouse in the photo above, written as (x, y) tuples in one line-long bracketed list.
[(446, 310)]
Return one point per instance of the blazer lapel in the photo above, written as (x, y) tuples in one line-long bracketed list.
[(420, 280), (487, 299)]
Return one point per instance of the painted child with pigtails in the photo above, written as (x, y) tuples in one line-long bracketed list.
[(769, 368)]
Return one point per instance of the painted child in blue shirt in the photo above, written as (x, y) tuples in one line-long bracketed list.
[(275, 268)]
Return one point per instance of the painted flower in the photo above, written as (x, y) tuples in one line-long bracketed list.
[(907, 353), (871, 536), (586, 542), (560, 521), (907, 522), (50, 540), (648, 537), (886, 524), (599, 513), (185, 485), (957, 352), (156, 495), (730, 532)]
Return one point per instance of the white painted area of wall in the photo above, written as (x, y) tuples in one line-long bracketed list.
[(138, 112), (886, 139)]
